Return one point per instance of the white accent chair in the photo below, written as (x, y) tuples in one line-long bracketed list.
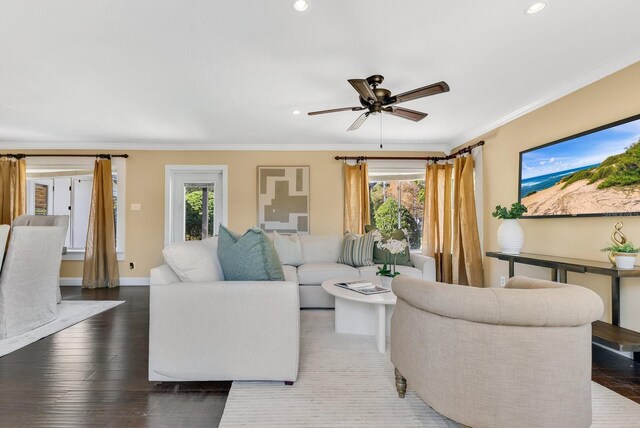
[(497, 357), (29, 277)]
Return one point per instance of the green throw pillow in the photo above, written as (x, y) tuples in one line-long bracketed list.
[(248, 257), (357, 250), (380, 256)]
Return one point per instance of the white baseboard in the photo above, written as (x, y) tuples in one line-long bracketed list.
[(124, 281)]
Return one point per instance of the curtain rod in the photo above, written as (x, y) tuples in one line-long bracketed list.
[(425, 158), (100, 155)]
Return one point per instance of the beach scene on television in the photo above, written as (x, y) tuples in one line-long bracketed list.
[(594, 174)]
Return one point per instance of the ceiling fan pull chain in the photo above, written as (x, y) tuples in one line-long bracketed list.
[(380, 132)]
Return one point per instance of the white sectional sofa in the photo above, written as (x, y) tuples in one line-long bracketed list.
[(321, 253), (202, 327)]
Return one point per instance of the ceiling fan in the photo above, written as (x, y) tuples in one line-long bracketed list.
[(379, 100)]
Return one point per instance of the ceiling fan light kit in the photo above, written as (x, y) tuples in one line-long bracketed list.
[(379, 100)]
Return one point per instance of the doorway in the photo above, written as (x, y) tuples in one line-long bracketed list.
[(195, 201)]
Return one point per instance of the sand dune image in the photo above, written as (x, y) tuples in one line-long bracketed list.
[(583, 198)]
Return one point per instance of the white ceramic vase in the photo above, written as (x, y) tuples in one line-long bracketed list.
[(510, 236), (625, 260), (385, 281)]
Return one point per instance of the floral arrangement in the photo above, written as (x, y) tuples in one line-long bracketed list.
[(393, 247)]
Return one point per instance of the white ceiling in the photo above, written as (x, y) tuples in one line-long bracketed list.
[(157, 74)]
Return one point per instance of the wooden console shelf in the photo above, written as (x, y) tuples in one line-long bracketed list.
[(610, 335)]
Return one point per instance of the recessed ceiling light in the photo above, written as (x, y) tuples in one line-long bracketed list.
[(300, 5), (295, 112), (535, 8)]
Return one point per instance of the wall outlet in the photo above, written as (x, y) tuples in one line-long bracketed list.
[(132, 265), (503, 281)]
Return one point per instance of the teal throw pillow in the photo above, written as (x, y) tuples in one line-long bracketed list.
[(380, 255), (357, 250), (248, 257)]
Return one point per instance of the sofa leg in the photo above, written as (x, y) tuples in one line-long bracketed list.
[(401, 384), (288, 382)]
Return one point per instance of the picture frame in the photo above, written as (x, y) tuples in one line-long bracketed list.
[(283, 199), (589, 174)]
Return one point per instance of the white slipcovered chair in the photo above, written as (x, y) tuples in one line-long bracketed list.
[(4, 234), (29, 277), (45, 220)]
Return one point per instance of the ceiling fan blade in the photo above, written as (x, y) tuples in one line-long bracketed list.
[(334, 110), (405, 113), (359, 121), (425, 91), (363, 88)]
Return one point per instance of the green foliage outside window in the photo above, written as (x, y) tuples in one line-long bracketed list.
[(193, 213)]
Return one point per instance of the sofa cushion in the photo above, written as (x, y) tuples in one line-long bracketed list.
[(357, 250), (321, 248), (289, 249), (248, 257), (194, 261), (316, 273), (368, 272), (380, 255), (290, 273)]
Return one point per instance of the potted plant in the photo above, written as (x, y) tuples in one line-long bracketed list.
[(510, 234), (624, 254), (393, 247)]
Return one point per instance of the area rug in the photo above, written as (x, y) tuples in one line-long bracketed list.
[(70, 312), (344, 382)]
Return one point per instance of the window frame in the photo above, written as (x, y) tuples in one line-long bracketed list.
[(397, 170), (118, 166)]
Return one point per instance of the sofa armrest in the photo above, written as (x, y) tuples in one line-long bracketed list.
[(426, 264), (162, 274), (224, 330)]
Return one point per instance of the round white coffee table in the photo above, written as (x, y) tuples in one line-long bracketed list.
[(361, 314)]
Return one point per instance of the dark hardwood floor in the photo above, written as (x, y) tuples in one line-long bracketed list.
[(95, 374), (616, 372)]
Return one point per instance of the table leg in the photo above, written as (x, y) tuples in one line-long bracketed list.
[(615, 300), (511, 268), (381, 328), (563, 276), (554, 274)]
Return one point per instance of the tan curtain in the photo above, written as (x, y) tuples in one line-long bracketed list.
[(450, 232), (100, 260), (13, 189), (356, 197)]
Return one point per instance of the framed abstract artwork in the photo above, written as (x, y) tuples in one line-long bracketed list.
[(283, 199)]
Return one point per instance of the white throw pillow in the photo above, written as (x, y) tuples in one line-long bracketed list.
[(289, 249), (194, 261)]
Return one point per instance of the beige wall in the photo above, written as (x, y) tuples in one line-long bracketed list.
[(145, 186), (610, 99)]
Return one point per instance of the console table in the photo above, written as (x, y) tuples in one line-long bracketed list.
[(610, 335)]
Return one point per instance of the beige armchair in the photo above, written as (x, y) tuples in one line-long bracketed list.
[(29, 277), (497, 357)]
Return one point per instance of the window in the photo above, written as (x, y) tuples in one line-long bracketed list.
[(62, 186), (396, 197)]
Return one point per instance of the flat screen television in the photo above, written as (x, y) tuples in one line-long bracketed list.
[(593, 173)]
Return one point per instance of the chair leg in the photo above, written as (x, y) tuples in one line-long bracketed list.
[(401, 384)]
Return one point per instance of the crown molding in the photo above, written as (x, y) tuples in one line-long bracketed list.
[(580, 82), (201, 145)]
